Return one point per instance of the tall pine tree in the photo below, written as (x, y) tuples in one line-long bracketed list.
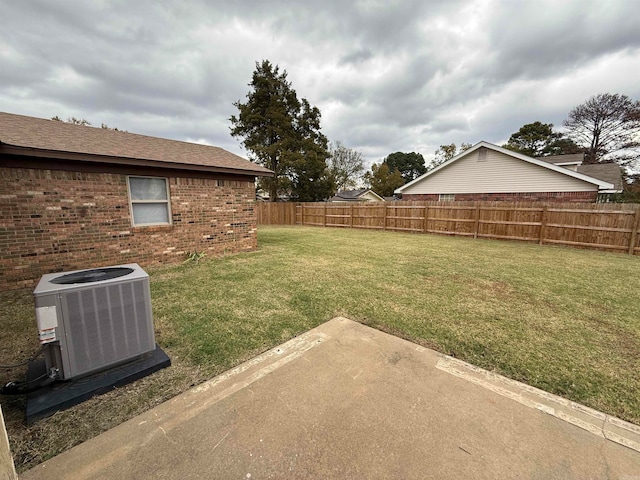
[(283, 134)]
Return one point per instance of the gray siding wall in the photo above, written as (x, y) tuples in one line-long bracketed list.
[(500, 173)]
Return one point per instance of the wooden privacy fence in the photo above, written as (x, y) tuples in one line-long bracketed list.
[(270, 213), (612, 227)]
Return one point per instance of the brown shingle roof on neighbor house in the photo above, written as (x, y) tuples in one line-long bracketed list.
[(566, 158), (351, 194), (608, 172), (55, 139)]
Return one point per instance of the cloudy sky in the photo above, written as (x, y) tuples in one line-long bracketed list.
[(387, 75)]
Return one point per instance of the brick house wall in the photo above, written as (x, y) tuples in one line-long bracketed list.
[(559, 197), (60, 220)]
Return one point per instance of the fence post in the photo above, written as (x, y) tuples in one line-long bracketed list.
[(302, 214), (426, 217), (324, 215), (634, 232), (476, 224), (384, 218), (351, 216), (543, 224)]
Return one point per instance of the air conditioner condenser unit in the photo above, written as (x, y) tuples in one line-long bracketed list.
[(91, 320)]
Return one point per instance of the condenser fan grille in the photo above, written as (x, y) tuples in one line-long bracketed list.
[(94, 275)]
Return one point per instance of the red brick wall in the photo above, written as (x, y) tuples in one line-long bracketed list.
[(418, 198), (53, 220), (560, 197)]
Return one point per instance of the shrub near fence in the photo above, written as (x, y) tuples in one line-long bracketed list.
[(612, 227)]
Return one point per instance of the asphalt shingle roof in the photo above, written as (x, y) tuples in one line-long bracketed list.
[(51, 135), (567, 158), (351, 194), (608, 172)]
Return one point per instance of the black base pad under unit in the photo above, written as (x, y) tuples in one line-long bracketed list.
[(62, 395)]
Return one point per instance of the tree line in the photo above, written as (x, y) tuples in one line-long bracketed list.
[(282, 132), (604, 129)]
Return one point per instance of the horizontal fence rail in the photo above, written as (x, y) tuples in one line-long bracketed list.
[(611, 227)]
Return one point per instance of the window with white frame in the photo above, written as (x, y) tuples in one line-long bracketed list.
[(149, 200), (446, 197)]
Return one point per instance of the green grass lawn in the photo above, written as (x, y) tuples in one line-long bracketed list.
[(564, 320)]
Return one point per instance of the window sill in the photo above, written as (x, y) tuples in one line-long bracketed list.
[(151, 228)]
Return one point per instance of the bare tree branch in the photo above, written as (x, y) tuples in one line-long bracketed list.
[(608, 126)]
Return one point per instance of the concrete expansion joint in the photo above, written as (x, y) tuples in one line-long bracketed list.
[(268, 361), (593, 421)]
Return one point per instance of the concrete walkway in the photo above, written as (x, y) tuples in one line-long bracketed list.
[(347, 401)]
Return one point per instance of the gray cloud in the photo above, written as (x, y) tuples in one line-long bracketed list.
[(387, 76), (356, 57)]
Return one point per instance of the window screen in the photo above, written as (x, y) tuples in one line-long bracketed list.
[(149, 201)]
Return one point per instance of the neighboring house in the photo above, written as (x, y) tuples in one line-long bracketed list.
[(74, 197), (488, 172), (263, 196), (362, 195)]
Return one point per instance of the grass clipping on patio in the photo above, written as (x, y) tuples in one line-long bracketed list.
[(563, 320)]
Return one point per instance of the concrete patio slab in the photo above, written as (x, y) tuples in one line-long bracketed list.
[(347, 401)]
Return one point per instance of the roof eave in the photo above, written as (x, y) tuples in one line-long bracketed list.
[(139, 162)]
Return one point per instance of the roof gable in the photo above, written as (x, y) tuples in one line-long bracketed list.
[(354, 195), (529, 160), (22, 135)]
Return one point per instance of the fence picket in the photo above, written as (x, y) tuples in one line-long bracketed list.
[(543, 224)]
